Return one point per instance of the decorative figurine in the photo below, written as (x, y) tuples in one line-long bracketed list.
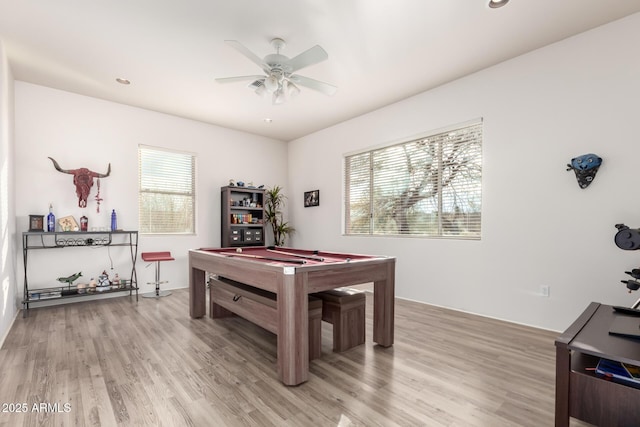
[(240, 184), (232, 183), (92, 285), (83, 180), (103, 279), (69, 279), (116, 282), (585, 167)]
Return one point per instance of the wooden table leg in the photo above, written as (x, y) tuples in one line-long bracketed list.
[(293, 329), (197, 293), (383, 308), (563, 371)]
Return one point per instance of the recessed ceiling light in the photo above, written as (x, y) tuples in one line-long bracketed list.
[(123, 81), (268, 120), (494, 4)]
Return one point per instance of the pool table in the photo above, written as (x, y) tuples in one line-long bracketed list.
[(292, 274)]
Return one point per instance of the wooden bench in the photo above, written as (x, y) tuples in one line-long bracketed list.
[(228, 297), (344, 308)]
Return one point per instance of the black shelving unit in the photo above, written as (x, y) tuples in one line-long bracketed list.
[(42, 240), (243, 216)]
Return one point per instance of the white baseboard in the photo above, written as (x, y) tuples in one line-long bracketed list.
[(6, 333)]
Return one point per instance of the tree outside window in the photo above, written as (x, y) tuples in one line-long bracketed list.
[(429, 186)]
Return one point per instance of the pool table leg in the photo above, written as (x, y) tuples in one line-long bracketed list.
[(197, 293), (293, 329), (383, 304)]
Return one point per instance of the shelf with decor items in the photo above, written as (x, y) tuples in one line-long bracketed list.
[(43, 240), (242, 216)]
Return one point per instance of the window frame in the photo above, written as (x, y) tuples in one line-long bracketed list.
[(192, 194), (347, 204)]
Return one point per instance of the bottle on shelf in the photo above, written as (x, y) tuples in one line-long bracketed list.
[(114, 220), (84, 223), (51, 219)]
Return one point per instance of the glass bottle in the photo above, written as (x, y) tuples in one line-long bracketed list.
[(51, 219), (114, 220), (84, 223)]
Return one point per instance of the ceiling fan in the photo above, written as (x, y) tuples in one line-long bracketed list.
[(279, 80)]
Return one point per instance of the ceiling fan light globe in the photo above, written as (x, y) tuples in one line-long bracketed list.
[(261, 91), (292, 90), (278, 97), (271, 83)]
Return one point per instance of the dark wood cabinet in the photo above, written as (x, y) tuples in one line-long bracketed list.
[(243, 217), (582, 394)]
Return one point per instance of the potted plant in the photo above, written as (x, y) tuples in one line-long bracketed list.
[(274, 202)]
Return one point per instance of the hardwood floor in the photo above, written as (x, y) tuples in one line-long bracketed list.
[(117, 362)]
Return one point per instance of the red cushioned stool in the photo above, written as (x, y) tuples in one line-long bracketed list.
[(157, 257)]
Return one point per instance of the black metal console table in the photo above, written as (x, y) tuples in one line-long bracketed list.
[(36, 240)]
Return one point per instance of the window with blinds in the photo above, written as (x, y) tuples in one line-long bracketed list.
[(167, 191), (431, 186)]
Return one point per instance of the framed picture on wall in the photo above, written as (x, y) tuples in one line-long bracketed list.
[(311, 198)]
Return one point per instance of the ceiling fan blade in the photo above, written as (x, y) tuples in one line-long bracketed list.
[(246, 52), (323, 87), (238, 79), (308, 57)]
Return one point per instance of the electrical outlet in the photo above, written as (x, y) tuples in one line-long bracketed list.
[(545, 290)]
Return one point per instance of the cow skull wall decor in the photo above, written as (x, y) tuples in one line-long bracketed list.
[(83, 180)]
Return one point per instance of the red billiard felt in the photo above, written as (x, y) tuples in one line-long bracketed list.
[(260, 251)]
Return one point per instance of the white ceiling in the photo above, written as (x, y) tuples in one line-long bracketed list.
[(380, 51)]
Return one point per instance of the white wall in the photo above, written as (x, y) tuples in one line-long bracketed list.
[(539, 110), (539, 228), (8, 289), (80, 131)]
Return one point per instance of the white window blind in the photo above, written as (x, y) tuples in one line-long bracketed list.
[(429, 186), (167, 191)]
